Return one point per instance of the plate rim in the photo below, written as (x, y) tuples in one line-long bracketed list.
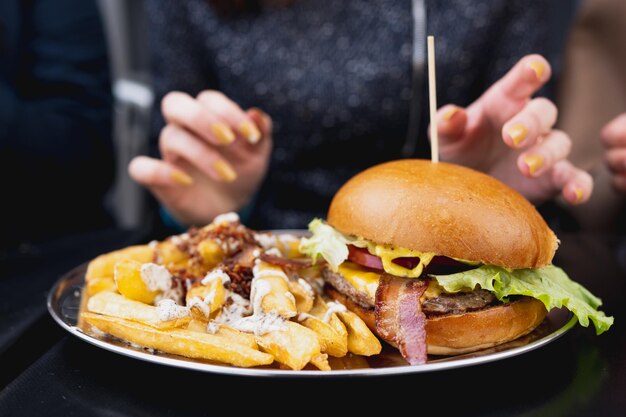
[(449, 363)]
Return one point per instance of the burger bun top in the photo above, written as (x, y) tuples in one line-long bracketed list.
[(445, 209)]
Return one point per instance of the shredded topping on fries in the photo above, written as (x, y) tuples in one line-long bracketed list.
[(222, 293)]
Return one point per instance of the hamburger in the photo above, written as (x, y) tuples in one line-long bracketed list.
[(441, 259)]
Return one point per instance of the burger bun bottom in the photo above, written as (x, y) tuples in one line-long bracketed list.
[(457, 334)]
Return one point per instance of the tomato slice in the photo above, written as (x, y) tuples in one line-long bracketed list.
[(439, 265), (408, 262), (442, 265), (362, 257)]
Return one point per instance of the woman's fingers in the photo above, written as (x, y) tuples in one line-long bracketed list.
[(262, 120), (176, 142), (616, 160), (525, 78), (549, 157), (157, 173), (183, 110), (230, 112), (534, 121), (451, 125), (614, 138), (506, 97), (614, 133), (575, 184), (542, 157)]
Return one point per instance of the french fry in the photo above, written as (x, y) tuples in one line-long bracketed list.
[(116, 305), (127, 275), (196, 325), (170, 256), (180, 342), (216, 294), (361, 340), (331, 342), (293, 347), (227, 332), (332, 333), (320, 309), (99, 284), (277, 297), (321, 362), (304, 296), (211, 253), (103, 265)]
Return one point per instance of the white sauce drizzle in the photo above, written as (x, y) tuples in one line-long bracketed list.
[(225, 218), (168, 310), (333, 307), (307, 287), (158, 278), (215, 274), (264, 273)]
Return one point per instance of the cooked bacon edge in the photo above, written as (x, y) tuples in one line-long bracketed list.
[(399, 316)]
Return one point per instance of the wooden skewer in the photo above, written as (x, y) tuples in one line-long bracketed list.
[(432, 93)]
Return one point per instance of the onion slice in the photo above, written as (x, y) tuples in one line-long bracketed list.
[(399, 317)]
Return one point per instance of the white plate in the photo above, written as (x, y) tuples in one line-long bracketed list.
[(64, 304)]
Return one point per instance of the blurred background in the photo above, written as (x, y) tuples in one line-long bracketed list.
[(124, 23)]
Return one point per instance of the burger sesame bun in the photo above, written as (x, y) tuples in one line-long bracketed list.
[(456, 334), (446, 209)]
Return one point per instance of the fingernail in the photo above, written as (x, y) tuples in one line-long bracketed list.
[(250, 131), (223, 133), (538, 67), (579, 194), (518, 133), (181, 178), (224, 170), (449, 114), (534, 162), (267, 120)]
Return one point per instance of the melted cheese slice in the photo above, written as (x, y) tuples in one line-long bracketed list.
[(365, 280)]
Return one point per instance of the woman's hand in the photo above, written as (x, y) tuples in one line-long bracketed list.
[(215, 156), (614, 139), (510, 135)]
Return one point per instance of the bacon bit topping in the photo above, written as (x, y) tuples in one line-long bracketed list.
[(285, 262)]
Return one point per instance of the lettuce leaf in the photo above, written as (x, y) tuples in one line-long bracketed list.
[(325, 242), (550, 285)]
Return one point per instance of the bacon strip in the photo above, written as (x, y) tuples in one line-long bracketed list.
[(399, 317), (285, 262)]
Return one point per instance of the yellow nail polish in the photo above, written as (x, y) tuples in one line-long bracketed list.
[(224, 170), (450, 113), (534, 162), (181, 178), (579, 194), (518, 133), (250, 131), (538, 67), (223, 133)]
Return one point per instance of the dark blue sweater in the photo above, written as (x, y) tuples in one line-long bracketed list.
[(337, 77), (56, 159)]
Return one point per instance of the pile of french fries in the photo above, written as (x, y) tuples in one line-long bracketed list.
[(285, 324)]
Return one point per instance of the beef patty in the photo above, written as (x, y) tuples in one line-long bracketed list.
[(445, 303)]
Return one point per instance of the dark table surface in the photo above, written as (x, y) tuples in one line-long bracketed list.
[(44, 371)]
